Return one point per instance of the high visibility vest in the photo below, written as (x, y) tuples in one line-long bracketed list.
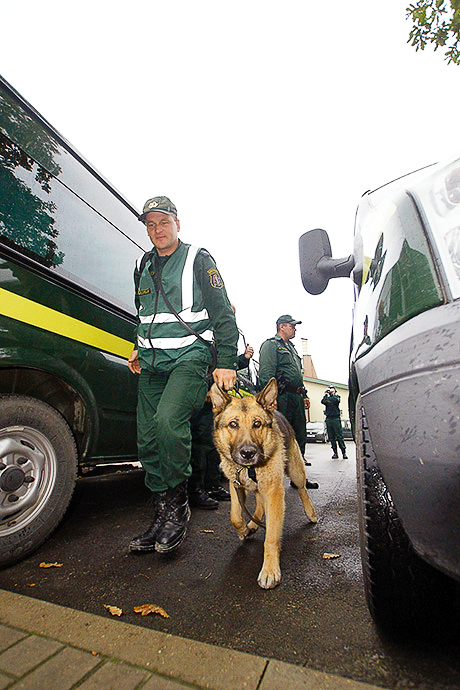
[(161, 338)]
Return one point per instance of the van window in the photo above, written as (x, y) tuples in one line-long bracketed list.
[(50, 224)]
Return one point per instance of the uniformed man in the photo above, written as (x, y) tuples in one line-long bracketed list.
[(331, 402), (182, 307), (278, 358)]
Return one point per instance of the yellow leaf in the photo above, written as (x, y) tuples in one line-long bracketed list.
[(207, 531), (145, 609), (114, 610), (331, 555), (51, 565)]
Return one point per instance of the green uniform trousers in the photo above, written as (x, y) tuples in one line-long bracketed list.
[(205, 458), (335, 433), (166, 403), (293, 408)]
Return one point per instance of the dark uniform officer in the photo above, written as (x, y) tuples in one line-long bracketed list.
[(182, 306), (278, 358), (333, 423)]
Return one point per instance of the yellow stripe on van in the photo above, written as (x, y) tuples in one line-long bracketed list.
[(34, 314)]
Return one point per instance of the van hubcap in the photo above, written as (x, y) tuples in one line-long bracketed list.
[(27, 475)]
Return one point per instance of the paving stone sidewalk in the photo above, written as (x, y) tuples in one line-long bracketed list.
[(48, 647)]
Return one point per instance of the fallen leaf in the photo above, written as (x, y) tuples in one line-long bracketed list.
[(328, 556), (207, 531), (31, 584), (114, 610), (51, 565), (145, 609)]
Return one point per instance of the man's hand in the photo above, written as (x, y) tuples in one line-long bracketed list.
[(225, 378), (133, 363), (249, 352)]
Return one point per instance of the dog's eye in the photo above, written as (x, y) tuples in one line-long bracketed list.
[(257, 424), (233, 424)]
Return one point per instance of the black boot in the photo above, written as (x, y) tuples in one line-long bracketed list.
[(175, 517), (311, 485), (199, 498), (218, 493), (147, 540)]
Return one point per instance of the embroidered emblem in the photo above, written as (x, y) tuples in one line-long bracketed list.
[(146, 291), (153, 204), (215, 279)]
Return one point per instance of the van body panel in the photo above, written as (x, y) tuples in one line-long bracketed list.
[(68, 246)]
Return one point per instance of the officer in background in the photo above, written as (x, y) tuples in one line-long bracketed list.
[(279, 359), (331, 402), (182, 306)]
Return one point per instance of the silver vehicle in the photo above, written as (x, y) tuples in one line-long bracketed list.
[(405, 391), (316, 431)]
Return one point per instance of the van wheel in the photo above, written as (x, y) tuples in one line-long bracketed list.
[(38, 462), (404, 593)]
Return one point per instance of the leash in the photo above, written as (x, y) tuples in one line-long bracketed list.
[(239, 492)]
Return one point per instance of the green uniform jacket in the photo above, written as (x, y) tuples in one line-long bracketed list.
[(276, 357), (332, 405), (209, 294)]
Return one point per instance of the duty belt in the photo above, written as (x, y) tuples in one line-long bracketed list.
[(293, 389)]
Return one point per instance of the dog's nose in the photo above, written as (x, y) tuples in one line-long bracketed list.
[(247, 453)]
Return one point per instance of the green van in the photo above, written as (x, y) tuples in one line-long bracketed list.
[(68, 245)]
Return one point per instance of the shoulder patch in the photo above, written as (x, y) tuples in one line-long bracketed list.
[(215, 279), (145, 291)]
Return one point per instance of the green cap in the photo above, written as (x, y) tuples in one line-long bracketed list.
[(158, 203), (286, 318)]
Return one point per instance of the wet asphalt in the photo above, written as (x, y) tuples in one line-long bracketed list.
[(317, 617)]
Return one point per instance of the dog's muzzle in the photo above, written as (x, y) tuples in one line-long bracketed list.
[(248, 456)]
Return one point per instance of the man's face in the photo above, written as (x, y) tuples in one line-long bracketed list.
[(287, 330), (162, 230)]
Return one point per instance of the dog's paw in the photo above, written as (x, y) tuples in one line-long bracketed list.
[(252, 527), (249, 532), (268, 579), (312, 516)]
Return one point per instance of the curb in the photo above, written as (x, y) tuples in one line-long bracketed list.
[(200, 664)]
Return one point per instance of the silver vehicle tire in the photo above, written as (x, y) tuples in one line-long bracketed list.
[(404, 593), (38, 461)]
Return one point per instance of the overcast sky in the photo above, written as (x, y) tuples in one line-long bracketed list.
[(259, 119)]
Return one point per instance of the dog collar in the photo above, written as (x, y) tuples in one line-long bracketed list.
[(251, 474)]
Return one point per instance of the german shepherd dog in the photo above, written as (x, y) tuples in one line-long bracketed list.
[(254, 439)]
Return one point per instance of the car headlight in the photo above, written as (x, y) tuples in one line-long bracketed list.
[(438, 199)]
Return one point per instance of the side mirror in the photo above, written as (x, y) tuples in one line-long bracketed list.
[(316, 263)]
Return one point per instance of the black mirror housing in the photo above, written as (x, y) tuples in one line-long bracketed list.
[(316, 263)]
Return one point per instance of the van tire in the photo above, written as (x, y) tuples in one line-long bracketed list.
[(404, 594), (38, 467)]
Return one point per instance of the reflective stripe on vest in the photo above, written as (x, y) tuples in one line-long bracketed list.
[(164, 318)]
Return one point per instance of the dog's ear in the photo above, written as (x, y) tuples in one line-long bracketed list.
[(219, 398), (267, 397)]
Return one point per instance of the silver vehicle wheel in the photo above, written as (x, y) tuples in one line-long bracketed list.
[(37, 474), (27, 476)]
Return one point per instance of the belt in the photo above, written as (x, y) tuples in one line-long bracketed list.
[(293, 389)]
